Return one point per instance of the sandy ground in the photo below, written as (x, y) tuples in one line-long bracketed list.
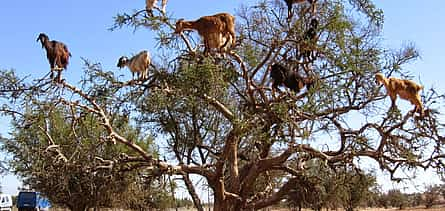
[(439, 208)]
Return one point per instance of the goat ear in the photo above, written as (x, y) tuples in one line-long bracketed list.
[(39, 38), (120, 62), (179, 22), (300, 84), (178, 26)]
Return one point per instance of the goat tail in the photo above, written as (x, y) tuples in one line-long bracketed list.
[(147, 57), (228, 39), (420, 87)]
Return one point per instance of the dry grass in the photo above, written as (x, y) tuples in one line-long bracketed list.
[(407, 209), (436, 208)]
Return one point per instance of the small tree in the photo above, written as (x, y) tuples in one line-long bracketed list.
[(396, 198), (383, 201), (431, 194), (61, 158), (357, 188), (442, 188), (373, 199), (305, 193)]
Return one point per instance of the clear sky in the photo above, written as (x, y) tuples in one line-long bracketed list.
[(83, 26)]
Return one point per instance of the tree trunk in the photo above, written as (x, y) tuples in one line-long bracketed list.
[(227, 205), (78, 207), (192, 192)]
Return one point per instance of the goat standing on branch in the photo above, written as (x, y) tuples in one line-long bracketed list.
[(57, 54), (310, 37), (289, 4), (216, 30), (406, 89), (282, 76), (137, 64), (151, 4)]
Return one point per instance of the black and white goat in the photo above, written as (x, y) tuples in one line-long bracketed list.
[(137, 64), (283, 76)]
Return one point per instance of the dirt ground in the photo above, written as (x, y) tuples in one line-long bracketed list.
[(437, 208), (442, 208)]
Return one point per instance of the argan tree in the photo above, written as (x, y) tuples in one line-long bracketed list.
[(432, 194), (62, 159), (397, 199), (221, 123)]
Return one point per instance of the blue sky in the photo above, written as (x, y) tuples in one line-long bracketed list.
[(83, 25)]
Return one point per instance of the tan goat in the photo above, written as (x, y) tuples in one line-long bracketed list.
[(217, 30), (406, 89), (151, 4), (219, 42)]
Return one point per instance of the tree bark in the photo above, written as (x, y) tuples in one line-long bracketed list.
[(192, 192)]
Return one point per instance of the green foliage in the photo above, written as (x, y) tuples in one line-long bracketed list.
[(370, 10), (218, 119), (325, 187), (60, 154), (397, 198), (432, 194)]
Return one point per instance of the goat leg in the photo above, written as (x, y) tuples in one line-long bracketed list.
[(59, 75), (51, 75), (289, 9), (206, 48), (419, 110)]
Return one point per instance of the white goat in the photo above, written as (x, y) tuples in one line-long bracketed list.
[(150, 4), (137, 64)]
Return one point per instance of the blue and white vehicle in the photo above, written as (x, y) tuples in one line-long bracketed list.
[(32, 201), (5, 202)]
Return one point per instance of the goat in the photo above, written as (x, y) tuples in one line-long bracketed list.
[(213, 29), (406, 89), (309, 40), (218, 41), (289, 4), (282, 76), (150, 4), (57, 54), (137, 64), (311, 33)]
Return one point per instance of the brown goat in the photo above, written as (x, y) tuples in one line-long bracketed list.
[(216, 30), (406, 89), (57, 54)]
